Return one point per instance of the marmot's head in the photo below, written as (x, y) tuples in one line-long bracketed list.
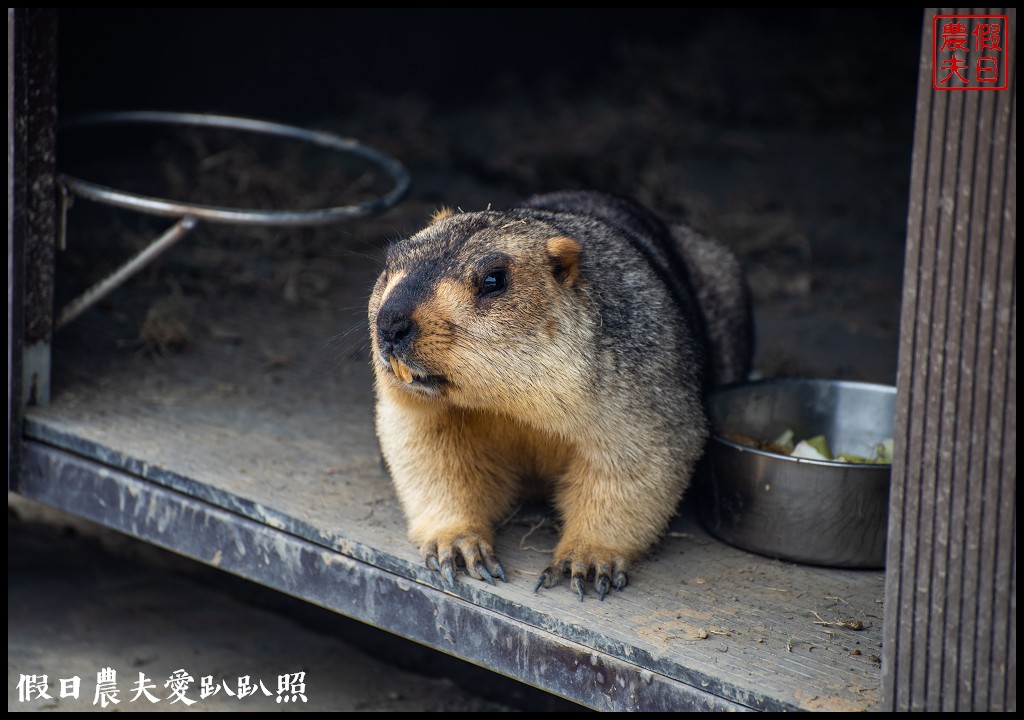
[(477, 307)]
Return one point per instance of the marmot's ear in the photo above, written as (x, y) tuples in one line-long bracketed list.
[(564, 253), (441, 214)]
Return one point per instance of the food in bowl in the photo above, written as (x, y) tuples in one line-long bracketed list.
[(822, 512)]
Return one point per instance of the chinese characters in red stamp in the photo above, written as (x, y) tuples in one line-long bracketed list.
[(969, 52)]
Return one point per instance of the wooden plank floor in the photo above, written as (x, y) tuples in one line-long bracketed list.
[(266, 420)]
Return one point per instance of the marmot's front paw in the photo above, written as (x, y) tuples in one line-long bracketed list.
[(472, 548), (606, 568)]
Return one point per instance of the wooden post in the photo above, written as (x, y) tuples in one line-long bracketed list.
[(951, 584), (31, 212)]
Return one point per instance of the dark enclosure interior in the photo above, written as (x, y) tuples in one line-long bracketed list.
[(786, 134)]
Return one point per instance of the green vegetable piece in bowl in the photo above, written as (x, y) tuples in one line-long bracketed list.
[(784, 442), (883, 452), (815, 448)]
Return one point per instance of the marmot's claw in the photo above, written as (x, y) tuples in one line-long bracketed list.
[(577, 585), (470, 550), (548, 578), (491, 564), (606, 574)]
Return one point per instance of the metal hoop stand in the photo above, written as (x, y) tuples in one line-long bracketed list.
[(189, 215)]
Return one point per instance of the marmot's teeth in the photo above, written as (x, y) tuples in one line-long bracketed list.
[(401, 370)]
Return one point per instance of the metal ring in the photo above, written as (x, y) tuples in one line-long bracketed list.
[(170, 208)]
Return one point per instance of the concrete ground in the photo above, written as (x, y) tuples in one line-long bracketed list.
[(82, 599)]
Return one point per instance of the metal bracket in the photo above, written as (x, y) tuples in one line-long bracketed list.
[(190, 214)]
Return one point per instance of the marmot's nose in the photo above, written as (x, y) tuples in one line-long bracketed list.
[(395, 331)]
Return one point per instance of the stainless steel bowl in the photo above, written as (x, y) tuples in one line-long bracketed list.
[(808, 511)]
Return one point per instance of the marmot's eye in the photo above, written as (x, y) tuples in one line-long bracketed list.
[(494, 282)]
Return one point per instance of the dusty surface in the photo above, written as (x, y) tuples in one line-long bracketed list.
[(779, 133), (82, 599)]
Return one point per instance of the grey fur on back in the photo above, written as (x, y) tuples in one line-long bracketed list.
[(704, 278), (724, 298)]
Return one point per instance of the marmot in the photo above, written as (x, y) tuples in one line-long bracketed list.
[(564, 346)]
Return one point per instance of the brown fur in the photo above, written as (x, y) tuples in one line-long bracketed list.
[(441, 214), (530, 369)]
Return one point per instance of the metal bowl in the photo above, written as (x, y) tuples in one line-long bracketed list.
[(808, 511)]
